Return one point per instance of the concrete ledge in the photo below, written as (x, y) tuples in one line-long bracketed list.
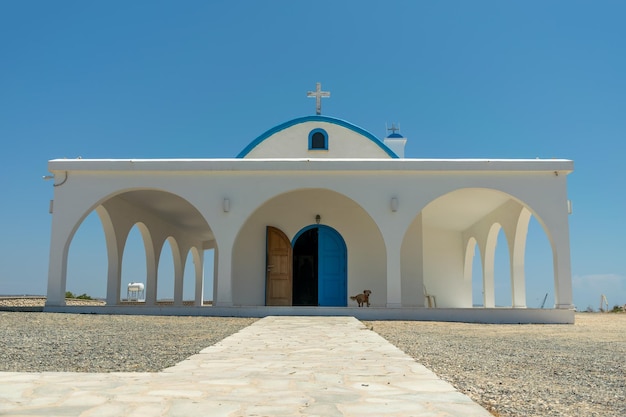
[(22, 309), (466, 315)]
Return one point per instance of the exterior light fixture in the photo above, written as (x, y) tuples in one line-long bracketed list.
[(226, 205), (394, 204), (318, 218)]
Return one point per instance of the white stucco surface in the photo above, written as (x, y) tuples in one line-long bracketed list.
[(398, 251), (293, 143)]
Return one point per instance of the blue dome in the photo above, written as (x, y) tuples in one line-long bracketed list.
[(396, 136)]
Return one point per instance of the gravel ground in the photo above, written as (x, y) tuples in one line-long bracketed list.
[(512, 370), (526, 370), (34, 342)]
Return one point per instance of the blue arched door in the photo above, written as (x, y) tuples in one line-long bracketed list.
[(327, 251), (332, 277)]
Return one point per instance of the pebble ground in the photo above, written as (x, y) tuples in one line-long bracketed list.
[(512, 370), (278, 366), (526, 370)]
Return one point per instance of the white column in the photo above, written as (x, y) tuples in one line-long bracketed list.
[(223, 295), (489, 295), (412, 260), (394, 275), (57, 268), (152, 262), (488, 258), (198, 262), (179, 271), (113, 277), (517, 254), (562, 270), (114, 247), (216, 262)]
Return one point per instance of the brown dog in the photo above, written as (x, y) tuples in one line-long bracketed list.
[(362, 298)]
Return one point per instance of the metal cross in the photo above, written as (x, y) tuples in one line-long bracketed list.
[(393, 128), (318, 94)]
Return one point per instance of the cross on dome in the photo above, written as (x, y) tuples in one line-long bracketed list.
[(318, 94), (393, 128)]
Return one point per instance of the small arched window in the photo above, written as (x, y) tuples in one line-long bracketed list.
[(318, 140)]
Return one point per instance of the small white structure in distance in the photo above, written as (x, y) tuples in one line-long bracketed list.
[(136, 292)]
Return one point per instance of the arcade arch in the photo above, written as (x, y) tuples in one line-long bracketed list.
[(159, 217), (87, 259), (456, 230), (294, 211)]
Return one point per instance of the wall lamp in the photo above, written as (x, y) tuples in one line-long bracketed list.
[(318, 218), (394, 204), (226, 205)]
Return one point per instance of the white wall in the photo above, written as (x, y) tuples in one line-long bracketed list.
[(294, 143), (255, 188), (443, 268)]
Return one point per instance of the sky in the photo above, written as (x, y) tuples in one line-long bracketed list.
[(200, 79)]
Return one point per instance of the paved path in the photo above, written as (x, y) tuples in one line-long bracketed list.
[(279, 366)]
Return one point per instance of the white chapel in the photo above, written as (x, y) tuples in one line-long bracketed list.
[(313, 211)]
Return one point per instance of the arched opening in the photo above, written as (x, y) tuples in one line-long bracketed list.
[(129, 218), (166, 274), (87, 260), (134, 263), (539, 267), (486, 225), (292, 211)]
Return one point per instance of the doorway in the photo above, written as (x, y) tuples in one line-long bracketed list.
[(309, 271), (305, 269), (319, 267)]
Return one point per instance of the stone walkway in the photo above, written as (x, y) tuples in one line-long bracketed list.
[(279, 366)]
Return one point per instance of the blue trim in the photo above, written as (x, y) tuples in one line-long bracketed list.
[(316, 118), (323, 132), (309, 227)]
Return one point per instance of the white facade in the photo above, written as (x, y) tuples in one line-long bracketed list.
[(409, 226)]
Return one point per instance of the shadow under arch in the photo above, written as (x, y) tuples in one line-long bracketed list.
[(290, 212), (436, 251), (161, 214)]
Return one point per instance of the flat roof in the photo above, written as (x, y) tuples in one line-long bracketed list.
[(322, 164)]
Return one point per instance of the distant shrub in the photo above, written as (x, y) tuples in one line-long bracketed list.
[(84, 297), (617, 309), (69, 294)]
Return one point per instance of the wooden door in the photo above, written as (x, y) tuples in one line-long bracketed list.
[(278, 266)]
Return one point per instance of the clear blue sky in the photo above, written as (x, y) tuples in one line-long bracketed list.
[(153, 79)]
